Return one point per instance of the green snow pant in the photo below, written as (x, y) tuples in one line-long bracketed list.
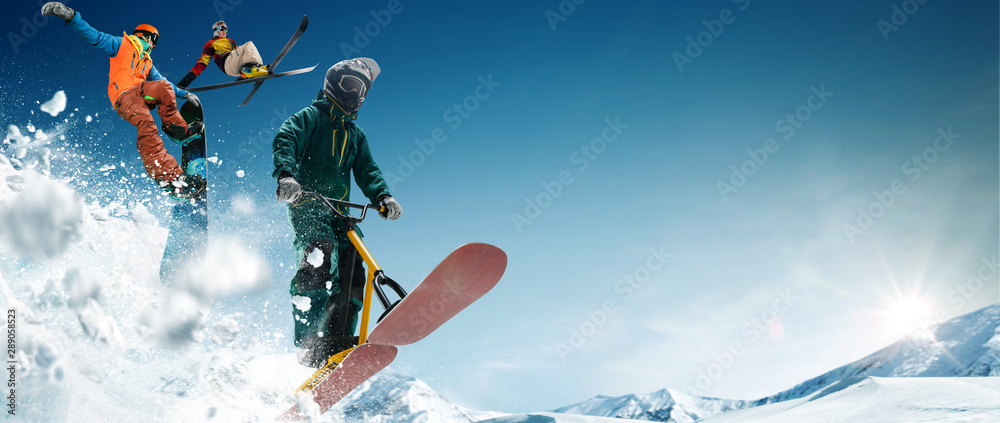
[(324, 255)]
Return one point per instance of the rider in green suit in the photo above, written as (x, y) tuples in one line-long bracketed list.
[(317, 149)]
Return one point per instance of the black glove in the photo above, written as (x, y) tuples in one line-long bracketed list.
[(188, 79)]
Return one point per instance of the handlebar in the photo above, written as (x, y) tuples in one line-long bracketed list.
[(331, 204)]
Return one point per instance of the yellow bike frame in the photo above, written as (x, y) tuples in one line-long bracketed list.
[(336, 359)]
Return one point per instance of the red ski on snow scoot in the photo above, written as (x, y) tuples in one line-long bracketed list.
[(459, 280)]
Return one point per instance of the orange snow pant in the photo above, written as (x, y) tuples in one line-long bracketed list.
[(134, 105)]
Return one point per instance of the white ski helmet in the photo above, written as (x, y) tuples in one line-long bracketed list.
[(219, 27), (348, 81)]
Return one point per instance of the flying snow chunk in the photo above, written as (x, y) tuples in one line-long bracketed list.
[(240, 173), (227, 269), (89, 118), (315, 257), (302, 303), (56, 105), (44, 219), (177, 321), (225, 331), (14, 135)]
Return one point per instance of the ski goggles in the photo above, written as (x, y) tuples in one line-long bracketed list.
[(153, 37)]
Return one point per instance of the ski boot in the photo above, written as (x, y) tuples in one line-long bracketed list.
[(254, 70)]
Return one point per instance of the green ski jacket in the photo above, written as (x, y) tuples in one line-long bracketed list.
[(321, 146)]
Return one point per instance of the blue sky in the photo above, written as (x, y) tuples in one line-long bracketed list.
[(635, 272)]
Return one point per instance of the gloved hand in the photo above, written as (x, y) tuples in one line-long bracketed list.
[(288, 189), (188, 79), (392, 208), (58, 9), (191, 98)]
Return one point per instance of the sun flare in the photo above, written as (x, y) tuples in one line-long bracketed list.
[(908, 317)]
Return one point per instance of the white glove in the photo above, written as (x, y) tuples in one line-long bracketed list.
[(191, 98), (392, 208), (58, 9), (288, 189)]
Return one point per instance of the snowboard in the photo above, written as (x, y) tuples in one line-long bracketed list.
[(194, 154), (459, 280), (187, 241)]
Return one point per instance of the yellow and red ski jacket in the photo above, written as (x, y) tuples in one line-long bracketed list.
[(217, 48)]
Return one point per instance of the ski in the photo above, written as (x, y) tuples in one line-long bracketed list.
[(459, 280), (361, 364), (258, 80), (288, 46)]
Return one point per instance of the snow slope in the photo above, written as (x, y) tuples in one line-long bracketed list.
[(878, 400)]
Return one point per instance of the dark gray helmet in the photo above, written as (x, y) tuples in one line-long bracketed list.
[(348, 81)]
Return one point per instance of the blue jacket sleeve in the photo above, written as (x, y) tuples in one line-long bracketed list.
[(107, 43), (154, 75)]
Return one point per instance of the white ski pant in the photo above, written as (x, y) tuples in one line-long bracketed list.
[(240, 56)]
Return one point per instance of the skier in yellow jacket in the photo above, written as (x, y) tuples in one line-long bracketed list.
[(241, 61)]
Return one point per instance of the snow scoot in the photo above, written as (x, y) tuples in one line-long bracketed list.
[(258, 81), (460, 279)]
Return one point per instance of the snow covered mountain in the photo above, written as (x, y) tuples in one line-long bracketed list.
[(665, 405), (965, 346), (394, 397)]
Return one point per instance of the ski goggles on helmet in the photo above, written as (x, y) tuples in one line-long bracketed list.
[(219, 27), (147, 31), (347, 83)]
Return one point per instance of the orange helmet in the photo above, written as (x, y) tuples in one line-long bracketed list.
[(147, 30)]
